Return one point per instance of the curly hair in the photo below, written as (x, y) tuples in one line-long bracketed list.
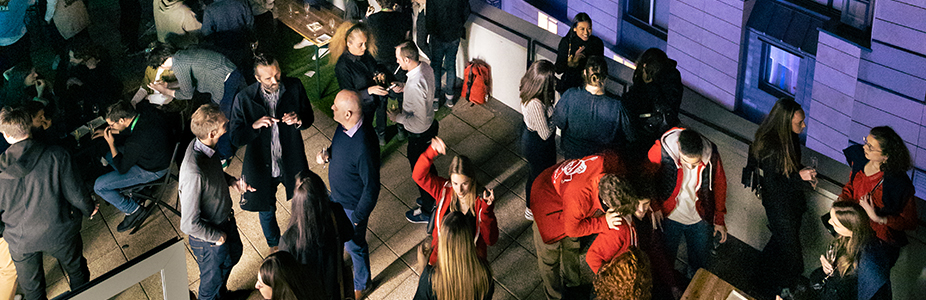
[(892, 146), (617, 194), (626, 277)]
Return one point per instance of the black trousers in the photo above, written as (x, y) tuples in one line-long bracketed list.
[(32, 274), (417, 144), (783, 255), (540, 155)]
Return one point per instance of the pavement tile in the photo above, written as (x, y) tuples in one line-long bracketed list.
[(502, 245), (406, 192), (501, 293), (509, 270), (478, 147), (405, 290), (98, 242), (475, 115), (394, 170), (407, 238), (506, 167), (105, 263), (389, 215), (453, 130), (153, 232), (501, 130)]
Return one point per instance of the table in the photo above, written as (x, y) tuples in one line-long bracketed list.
[(707, 286), (316, 24)]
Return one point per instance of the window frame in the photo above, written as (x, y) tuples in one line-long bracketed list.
[(647, 25), (764, 84)]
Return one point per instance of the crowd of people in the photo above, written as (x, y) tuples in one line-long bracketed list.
[(632, 184)]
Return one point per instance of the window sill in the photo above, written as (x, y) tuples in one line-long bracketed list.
[(655, 31), (861, 39)]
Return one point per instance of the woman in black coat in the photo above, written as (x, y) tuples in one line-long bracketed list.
[(776, 155), (353, 49), (574, 50)]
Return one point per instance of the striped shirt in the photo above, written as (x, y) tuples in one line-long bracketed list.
[(537, 117)]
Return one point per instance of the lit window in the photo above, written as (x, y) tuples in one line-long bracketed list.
[(547, 23), (780, 70)]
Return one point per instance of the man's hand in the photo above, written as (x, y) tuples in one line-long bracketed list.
[(489, 196), (657, 220), (221, 240), (614, 219), (265, 121), (322, 156), (74, 81), (392, 114), (291, 118), (438, 145), (723, 232), (40, 86), (377, 90), (242, 186), (398, 87), (108, 133), (160, 87)]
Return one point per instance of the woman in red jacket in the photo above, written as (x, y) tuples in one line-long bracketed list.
[(458, 193)]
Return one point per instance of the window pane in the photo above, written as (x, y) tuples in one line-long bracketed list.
[(856, 14), (837, 4), (661, 16), (639, 9), (781, 69)]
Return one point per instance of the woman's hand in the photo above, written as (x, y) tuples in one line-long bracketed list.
[(827, 267), (489, 196), (423, 251), (808, 174), (869, 207), (438, 145)]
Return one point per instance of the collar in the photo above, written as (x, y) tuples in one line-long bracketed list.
[(350, 132), (415, 71), (351, 56), (134, 121), (199, 146)]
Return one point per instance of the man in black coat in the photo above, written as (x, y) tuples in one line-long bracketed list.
[(42, 201), (267, 117)]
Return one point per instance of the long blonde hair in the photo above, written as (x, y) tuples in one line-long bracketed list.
[(462, 165), (774, 137), (849, 248), (459, 273), (339, 42)]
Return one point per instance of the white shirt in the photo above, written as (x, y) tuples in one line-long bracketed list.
[(685, 211), (417, 113)]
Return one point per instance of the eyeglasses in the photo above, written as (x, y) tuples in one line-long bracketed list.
[(868, 146)]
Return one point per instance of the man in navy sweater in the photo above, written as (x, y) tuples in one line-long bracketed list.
[(354, 178)]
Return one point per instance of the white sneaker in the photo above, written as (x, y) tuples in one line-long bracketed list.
[(304, 43), (528, 214)]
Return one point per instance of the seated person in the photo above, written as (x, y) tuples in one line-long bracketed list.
[(40, 123), (139, 151), (23, 84)]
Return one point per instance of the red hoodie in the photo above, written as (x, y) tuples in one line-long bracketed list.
[(441, 190), (564, 197)]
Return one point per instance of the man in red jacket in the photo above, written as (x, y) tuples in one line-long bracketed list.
[(566, 206), (692, 187)]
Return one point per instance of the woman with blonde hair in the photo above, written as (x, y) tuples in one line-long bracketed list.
[(537, 143), (457, 194), (352, 51), (855, 264), (460, 273), (590, 120), (776, 155)]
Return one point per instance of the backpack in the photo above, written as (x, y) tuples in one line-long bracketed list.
[(477, 81)]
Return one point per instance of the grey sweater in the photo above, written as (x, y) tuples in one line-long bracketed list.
[(205, 201)]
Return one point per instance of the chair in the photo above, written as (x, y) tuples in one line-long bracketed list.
[(154, 190)]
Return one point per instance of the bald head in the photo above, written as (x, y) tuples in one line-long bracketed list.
[(346, 108)]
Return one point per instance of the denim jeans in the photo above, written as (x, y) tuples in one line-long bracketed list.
[(444, 61), (359, 253), (697, 240), (106, 186), (268, 223), (31, 274), (216, 262)]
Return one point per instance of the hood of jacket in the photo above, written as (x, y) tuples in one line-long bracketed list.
[(165, 5), (19, 160), (670, 145)]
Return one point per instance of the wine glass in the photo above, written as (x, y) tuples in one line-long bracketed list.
[(813, 165)]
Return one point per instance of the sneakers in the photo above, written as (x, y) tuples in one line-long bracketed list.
[(449, 101), (135, 219), (417, 216), (302, 44), (528, 214), (382, 140)]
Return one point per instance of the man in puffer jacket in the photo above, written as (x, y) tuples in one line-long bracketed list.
[(692, 187)]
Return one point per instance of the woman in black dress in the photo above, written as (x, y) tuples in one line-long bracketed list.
[(574, 50)]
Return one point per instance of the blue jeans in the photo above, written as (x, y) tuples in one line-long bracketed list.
[(444, 60), (359, 253), (234, 83), (106, 185), (697, 239), (216, 262), (268, 223)]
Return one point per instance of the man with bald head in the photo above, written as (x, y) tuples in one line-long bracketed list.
[(354, 178)]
